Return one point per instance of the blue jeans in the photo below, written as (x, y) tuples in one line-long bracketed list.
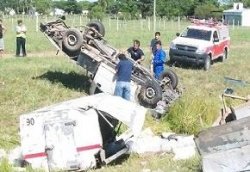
[(122, 89)]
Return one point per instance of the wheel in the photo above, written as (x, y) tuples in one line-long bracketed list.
[(207, 63), (171, 61), (169, 76), (224, 56), (150, 94), (98, 26), (72, 41)]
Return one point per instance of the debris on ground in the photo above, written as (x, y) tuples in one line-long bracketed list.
[(79, 134), (237, 82), (182, 146), (84, 133), (229, 113), (226, 146)]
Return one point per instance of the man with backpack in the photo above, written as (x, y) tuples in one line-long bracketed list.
[(158, 60)]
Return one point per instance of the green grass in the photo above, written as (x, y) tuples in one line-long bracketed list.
[(42, 79), (31, 83), (157, 162)]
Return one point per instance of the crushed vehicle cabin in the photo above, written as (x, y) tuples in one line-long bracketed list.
[(88, 49), (79, 134), (201, 44)]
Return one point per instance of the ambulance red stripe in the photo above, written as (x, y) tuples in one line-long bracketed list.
[(78, 149), (35, 155), (85, 148)]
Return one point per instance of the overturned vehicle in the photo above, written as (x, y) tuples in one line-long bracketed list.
[(87, 47)]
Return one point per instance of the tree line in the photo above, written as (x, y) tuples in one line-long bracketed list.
[(128, 9)]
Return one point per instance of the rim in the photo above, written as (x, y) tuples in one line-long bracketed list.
[(150, 92), (165, 81), (72, 39)]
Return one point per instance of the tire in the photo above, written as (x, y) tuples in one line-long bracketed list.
[(171, 75), (207, 63), (98, 26), (150, 94), (224, 56), (171, 61), (72, 41)]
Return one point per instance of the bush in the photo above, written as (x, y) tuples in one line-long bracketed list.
[(206, 11), (97, 13), (192, 113)]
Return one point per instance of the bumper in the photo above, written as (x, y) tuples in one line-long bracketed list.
[(187, 57)]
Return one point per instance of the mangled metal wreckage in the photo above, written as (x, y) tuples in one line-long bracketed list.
[(226, 146), (87, 47), (79, 134)]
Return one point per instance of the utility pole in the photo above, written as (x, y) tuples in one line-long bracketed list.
[(154, 15)]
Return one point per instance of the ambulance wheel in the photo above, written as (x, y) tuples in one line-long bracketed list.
[(150, 94)]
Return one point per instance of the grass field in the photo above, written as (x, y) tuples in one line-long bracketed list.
[(43, 78)]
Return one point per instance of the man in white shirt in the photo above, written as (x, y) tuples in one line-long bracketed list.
[(20, 38), (2, 30)]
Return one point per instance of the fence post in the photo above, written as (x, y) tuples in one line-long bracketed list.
[(117, 24), (233, 23), (12, 24), (164, 23), (80, 19), (37, 23), (73, 21), (141, 21), (179, 23), (159, 23), (149, 24)]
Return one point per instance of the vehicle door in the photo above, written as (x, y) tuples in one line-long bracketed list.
[(60, 145), (216, 45)]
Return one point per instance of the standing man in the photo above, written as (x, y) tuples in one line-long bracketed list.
[(123, 72), (154, 41), (135, 52), (2, 30), (158, 61), (20, 38)]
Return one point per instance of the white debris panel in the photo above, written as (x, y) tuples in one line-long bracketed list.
[(67, 135), (182, 146)]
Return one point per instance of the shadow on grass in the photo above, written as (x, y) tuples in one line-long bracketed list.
[(70, 80), (186, 65)]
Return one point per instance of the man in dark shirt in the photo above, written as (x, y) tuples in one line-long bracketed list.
[(154, 41), (135, 52), (123, 72)]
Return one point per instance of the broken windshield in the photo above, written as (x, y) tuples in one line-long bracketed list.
[(197, 34)]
